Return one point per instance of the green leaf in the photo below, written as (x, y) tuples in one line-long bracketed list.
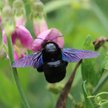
[(90, 67), (104, 105)]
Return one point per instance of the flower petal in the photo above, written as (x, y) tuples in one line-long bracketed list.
[(56, 36), (15, 56), (23, 35), (39, 25), (49, 35), (37, 44)]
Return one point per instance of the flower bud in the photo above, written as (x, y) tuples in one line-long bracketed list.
[(39, 26), (39, 22), (55, 88), (37, 9), (8, 20), (19, 12), (98, 99)]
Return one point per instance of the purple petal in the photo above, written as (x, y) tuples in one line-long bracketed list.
[(15, 56), (23, 35), (18, 55), (56, 36), (37, 44), (49, 35)]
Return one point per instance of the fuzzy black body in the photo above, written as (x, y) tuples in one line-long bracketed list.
[(53, 66)]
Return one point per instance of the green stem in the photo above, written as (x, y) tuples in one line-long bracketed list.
[(10, 52), (101, 93)]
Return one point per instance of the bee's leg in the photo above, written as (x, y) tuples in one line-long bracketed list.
[(40, 69), (65, 63)]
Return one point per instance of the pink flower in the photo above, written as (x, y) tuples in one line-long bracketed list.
[(48, 35), (22, 35), (16, 57)]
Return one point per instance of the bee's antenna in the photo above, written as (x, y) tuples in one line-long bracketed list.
[(53, 38), (39, 38), (49, 39), (56, 37)]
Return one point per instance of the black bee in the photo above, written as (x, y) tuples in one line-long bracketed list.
[(52, 60)]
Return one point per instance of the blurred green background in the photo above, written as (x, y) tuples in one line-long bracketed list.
[(76, 19)]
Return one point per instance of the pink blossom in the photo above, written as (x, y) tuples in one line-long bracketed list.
[(49, 35), (42, 32), (16, 57), (23, 36)]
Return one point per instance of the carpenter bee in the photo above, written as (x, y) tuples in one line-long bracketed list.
[(53, 60)]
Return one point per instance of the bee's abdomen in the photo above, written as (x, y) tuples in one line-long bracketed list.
[(55, 71)]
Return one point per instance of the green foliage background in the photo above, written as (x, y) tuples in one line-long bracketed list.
[(80, 24)]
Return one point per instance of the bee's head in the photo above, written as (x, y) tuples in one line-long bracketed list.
[(51, 51), (50, 47)]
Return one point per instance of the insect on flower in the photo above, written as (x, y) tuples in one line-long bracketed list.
[(53, 60)]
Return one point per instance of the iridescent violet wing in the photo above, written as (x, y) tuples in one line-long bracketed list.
[(75, 55), (34, 60)]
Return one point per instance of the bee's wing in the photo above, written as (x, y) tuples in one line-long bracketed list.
[(34, 60), (74, 55)]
